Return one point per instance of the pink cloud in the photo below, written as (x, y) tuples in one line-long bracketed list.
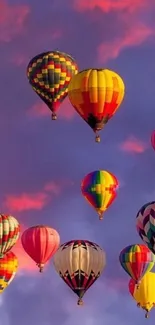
[(22, 58), (53, 187), (40, 110), (135, 36), (67, 111), (24, 261), (35, 201), (109, 5), (133, 145), (26, 201), (131, 16), (12, 20)]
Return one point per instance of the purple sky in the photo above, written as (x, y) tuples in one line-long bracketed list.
[(43, 162)]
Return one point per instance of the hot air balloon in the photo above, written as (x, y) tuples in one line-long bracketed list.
[(40, 243), (96, 95), (145, 224), (9, 233), (79, 263), (49, 75), (153, 139), (8, 269), (136, 260), (145, 294), (99, 189)]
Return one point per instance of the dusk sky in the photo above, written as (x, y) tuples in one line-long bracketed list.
[(43, 162)]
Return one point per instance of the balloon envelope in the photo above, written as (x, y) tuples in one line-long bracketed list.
[(8, 269), (137, 260), (40, 243), (153, 139), (145, 224), (9, 233), (145, 293), (79, 263), (49, 74), (96, 95), (99, 189)]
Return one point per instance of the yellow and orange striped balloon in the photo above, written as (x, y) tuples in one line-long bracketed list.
[(96, 95), (8, 269)]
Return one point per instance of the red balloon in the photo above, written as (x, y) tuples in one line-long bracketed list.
[(40, 243), (153, 139)]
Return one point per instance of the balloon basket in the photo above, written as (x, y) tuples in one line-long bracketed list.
[(80, 302), (41, 267), (98, 139), (100, 216), (54, 117)]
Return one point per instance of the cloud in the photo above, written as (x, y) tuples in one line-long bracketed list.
[(12, 20), (35, 201), (109, 5), (133, 145), (22, 58), (133, 28), (134, 36), (25, 263), (26, 201), (40, 110)]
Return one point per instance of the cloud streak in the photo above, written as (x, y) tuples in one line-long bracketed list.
[(133, 145), (135, 36), (40, 110), (12, 20), (35, 201), (109, 5)]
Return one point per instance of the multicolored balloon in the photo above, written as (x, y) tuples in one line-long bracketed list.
[(79, 263), (9, 233), (137, 260), (40, 243), (8, 269), (96, 95), (49, 75), (153, 139), (145, 224), (99, 189), (145, 294)]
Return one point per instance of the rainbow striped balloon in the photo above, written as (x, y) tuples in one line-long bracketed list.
[(99, 189), (136, 260)]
